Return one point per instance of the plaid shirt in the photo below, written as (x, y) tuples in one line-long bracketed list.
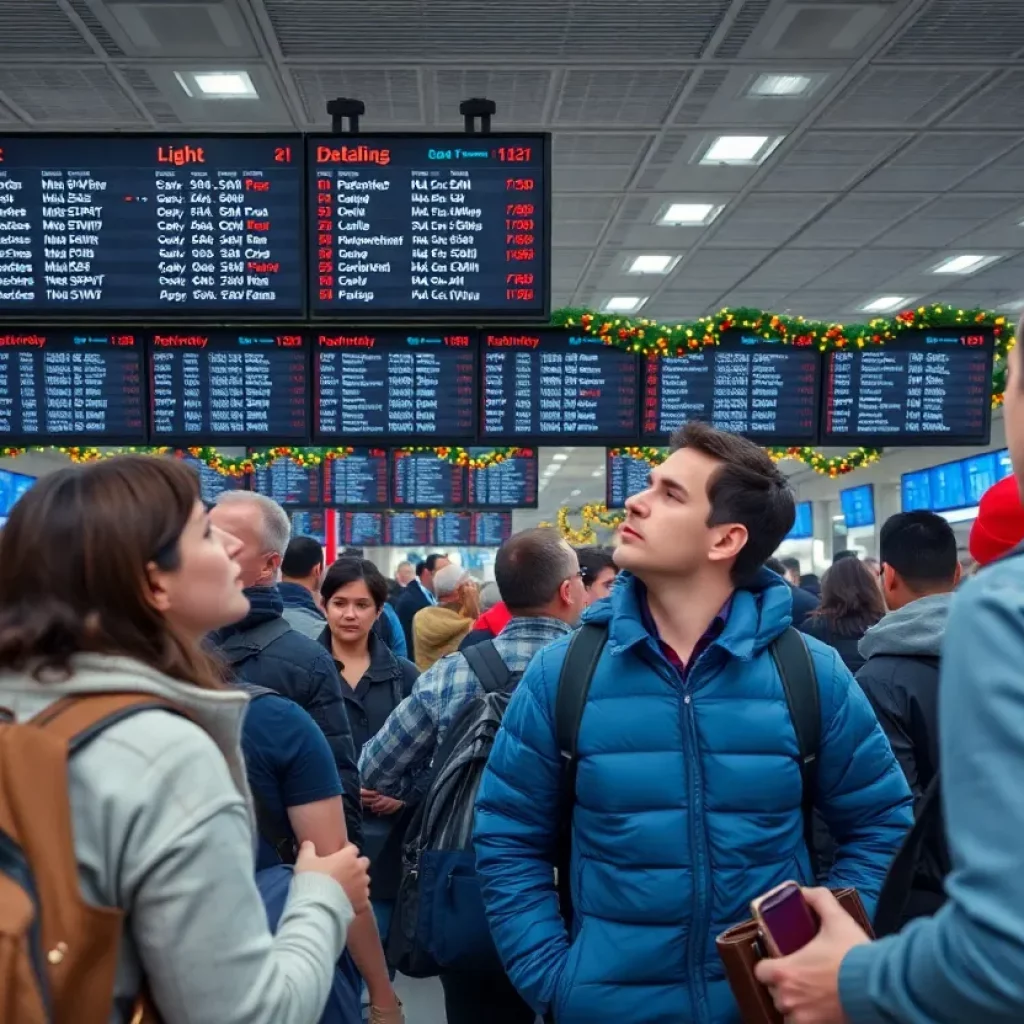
[(394, 760)]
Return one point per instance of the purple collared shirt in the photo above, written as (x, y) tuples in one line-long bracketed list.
[(710, 635)]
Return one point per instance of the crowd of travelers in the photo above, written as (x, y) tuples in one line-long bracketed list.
[(238, 785)]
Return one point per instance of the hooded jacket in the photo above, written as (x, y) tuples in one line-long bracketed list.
[(438, 630), (488, 626), (688, 805), (163, 831)]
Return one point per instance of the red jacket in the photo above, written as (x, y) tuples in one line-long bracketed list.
[(495, 619)]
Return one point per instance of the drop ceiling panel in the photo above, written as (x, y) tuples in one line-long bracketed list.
[(520, 95), (857, 219), (615, 96), (794, 268), (708, 269), (829, 161), (1001, 105), (743, 26), (69, 96), (988, 30), (768, 220), (178, 28), (745, 296), (1005, 174), (942, 222), (869, 268), (937, 161), (31, 27), (392, 95)]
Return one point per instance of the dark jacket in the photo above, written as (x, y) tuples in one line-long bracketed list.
[(300, 669), (385, 684), (804, 602), (411, 601), (488, 626), (846, 645)]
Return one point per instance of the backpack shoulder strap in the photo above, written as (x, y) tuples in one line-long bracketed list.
[(800, 684), (488, 666), (585, 649), (242, 646)]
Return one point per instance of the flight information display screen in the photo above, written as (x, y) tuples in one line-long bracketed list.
[(228, 386), (359, 478), (624, 475), (394, 384), (764, 390), (554, 384), (923, 387), (429, 226), (158, 224), (946, 487), (916, 491), (858, 505), (490, 529), (425, 480), (310, 523), (407, 530), (212, 483), (511, 483), (361, 529), (452, 530), (59, 386), (288, 483)]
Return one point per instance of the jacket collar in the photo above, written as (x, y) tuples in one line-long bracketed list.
[(294, 595), (265, 604), (533, 629), (383, 663)]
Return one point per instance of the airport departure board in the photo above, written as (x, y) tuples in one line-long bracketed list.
[(407, 530), (425, 480), (395, 384), (625, 475), (361, 529), (357, 479), (491, 529), (429, 226), (310, 522), (171, 226), (923, 387), (452, 530), (552, 385), (212, 483), (510, 483), (764, 390), (218, 386), (71, 386), (288, 483)]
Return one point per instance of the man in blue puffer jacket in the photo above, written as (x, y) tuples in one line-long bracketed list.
[(688, 797)]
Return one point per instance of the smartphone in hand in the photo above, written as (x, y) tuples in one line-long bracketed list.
[(787, 922)]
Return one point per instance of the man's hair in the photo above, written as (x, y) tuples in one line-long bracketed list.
[(792, 564), (490, 595), (276, 529), (921, 547), (776, 566), (747, 488), (301, 557), (593, 560), (428, 563), (530, 567), (845, 553), (352, 553), (348, 569), (448, 580)]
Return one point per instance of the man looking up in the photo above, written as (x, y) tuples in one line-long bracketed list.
[(689, 800)]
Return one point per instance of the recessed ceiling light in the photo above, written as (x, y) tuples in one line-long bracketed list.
[(623, 304), (963, 264), (598, 472), (575, 494), (676, 214), (560, 457), (886, 304), (781, 85), (218, 84), (552, 470), (740, 150), (652, 264)]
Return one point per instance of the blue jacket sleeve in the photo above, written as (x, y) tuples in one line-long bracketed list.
[(517, 813), (395, 634), (862, 792), (967, 962)]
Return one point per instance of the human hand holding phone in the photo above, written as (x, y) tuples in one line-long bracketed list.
[(786, 920)]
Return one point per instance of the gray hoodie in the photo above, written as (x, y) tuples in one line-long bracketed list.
[(163, 831), (915, 629)]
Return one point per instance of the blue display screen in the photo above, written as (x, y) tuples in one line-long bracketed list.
[(803, 526), (947, 487), (12, 487), (980, 473), (1003, 465), (916, 491), (858, 506)]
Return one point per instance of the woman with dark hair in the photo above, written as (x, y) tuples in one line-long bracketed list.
[(354, 593), (110, 577), (851, 603)]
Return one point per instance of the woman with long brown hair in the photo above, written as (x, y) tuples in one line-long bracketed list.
[(110, 577)]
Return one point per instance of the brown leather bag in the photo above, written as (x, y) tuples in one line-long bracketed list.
[(58, 954), (738, 951)]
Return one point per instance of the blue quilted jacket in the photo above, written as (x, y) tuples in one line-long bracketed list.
[(688, 806)]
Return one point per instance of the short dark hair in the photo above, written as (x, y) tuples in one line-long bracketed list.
[(593, 561), (348, 569), (530, 567), (792, 564), (777, 567), (352, 553), (429, 563), (839, 556), (921, 547), (301, 557), (747, 488)]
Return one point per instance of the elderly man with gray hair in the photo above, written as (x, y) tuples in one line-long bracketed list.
[(439, 629)]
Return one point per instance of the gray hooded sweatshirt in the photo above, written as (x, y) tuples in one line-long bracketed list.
[(163, 831), (915, 629)]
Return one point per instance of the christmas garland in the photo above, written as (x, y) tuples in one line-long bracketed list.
[(825, 465)]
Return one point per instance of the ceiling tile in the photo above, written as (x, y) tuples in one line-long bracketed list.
[(392, 95), (519, 95), (988, 30), (828, 161), (69, 95), (1004, 175), (1001, 105), (857, 219), (29, 27), (616, 96), (942, 222), (936, 161), (767, 220)]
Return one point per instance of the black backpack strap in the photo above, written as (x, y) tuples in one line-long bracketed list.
[(241, 646), (488, 666), (800, 683), (581, 659)]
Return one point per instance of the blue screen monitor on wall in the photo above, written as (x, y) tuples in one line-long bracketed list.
[(948, 487), (858, 506), (12, 487), (803, 526), (916, 491)]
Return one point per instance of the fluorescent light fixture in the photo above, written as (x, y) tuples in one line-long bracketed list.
[(552, 470), (623, 304), (781, 85), (678, 214), (217, 84), (655, 263), (740, 150), (560, 457), (967, 264), (886, 304), (575, 494), (598, 472)]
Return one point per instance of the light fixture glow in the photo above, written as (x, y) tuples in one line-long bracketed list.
[(598, 472), (575, 494), (739, 150), (677, 214), (560, 457), (781, 85), (886, 304), (654, 263), (224, 84), (623, 304), (966, 264)]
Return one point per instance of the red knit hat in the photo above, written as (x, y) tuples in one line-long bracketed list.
[(999, 527)]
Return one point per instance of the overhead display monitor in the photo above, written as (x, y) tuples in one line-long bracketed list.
[(425, 480), (511, 483), (980, 473), (407, 530), (429, 226), (288, 483), (398, 385), (946, 484), (923, 387), (310, 523), (551, 385), (361, 529), (765, 390), (916, 491), (452, 530), (62, 386), (357, 479), (212, 483), (624, 476), (228, 386), (165, 225), (12, 487), (858, 505), (803, 525), (490, 529)]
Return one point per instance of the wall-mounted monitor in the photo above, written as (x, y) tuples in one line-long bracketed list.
[(916, 491), (803, 525), (858, 504)]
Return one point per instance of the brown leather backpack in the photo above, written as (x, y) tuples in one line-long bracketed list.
[(58, 954)]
